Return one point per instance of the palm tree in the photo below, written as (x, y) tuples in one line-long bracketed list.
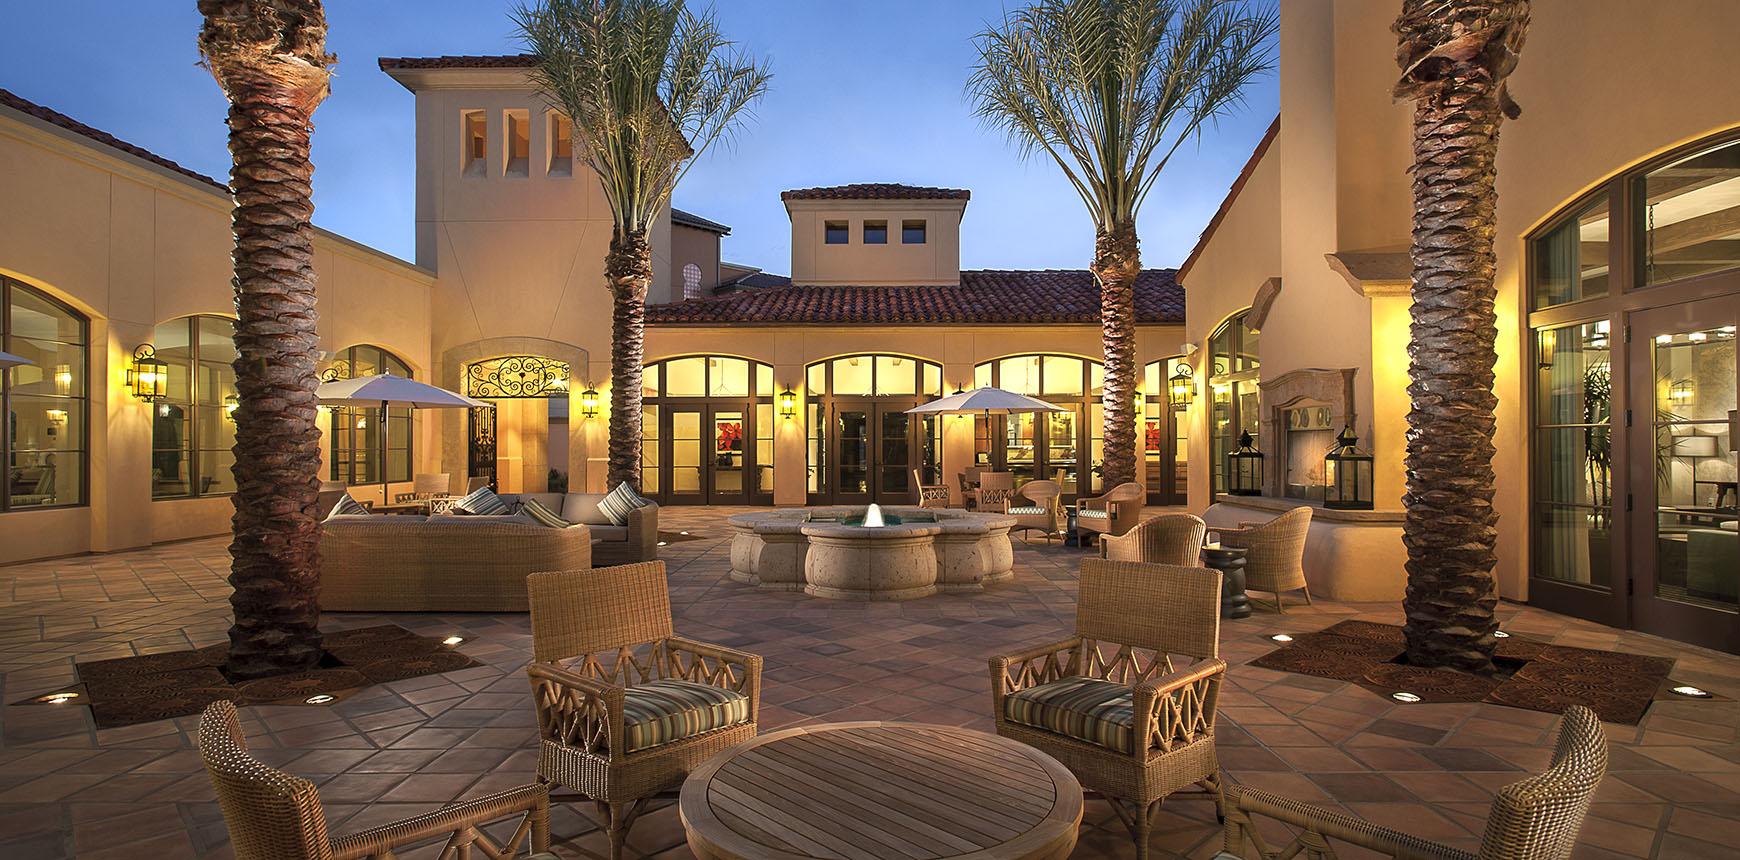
[(649, 86), (270, 58), (1110, 89), (1455, 56)]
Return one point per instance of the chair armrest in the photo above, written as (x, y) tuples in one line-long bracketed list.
[(1242, 802), (461, 824), (1179, 706), (576, 711), (1098, 503), (643, 533), (746, 679), (1030, 668)]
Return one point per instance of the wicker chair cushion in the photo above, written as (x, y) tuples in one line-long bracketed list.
[(1091, 513), (1087, 709), (1027, 511), (659, 712)]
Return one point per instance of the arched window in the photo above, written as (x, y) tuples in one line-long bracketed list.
[(691, 281), (1235, 403), (707, 425), (862, 445), (1048, 446), (369, 446), (44, 446), (192, 432), (1165, 430)]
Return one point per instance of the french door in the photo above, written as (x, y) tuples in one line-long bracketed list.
[(1047, 446), (1683, 499), (706, 454), (874, 447)]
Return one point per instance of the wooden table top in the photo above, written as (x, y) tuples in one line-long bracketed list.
[(881, 791)]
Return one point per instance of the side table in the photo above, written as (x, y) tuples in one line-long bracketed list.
[(1230, 561)]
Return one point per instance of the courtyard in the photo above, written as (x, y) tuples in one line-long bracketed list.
[(399, 749)]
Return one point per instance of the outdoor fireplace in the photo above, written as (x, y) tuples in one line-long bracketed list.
[(1302, 412), (1309, 436)]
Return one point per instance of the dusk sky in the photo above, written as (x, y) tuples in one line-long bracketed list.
[(861, 93)]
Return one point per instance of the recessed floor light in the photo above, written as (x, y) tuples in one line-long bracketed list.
[(1694, 692), (57, 698), (1500, 634), (1409, 698), (318, 700), (1280, 637), (662, 543), (682, 533), (453, 640)]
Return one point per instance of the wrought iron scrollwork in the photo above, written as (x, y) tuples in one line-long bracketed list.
[(517, 376)]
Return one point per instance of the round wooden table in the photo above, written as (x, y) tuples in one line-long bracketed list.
[(880, 791)]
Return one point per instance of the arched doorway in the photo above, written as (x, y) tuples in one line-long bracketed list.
[(1048, 446), (512, 441), (863, 447), (707, 427), (1166, 392)]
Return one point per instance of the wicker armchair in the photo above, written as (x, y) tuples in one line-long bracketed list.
[(930, 495), (1167, 539), (1110, 703), (1041, 511), (622, 729), (1114, 513), (273, 815), (1534, 819), (1274, 553), (969, 479)]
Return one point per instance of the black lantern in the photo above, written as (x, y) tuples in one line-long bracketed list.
[(1182, 387), (788, 404), (589, 403), (148, 377), (1244, 469), (1347, 475)]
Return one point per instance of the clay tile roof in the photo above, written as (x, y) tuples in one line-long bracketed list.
[(986, 297), (54, 117), (507, 61), (876, 191), (690, 219)]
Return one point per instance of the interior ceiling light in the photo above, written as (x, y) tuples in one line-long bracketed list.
[(1409, 698)]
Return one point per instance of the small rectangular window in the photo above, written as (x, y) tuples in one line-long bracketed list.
[(476, 132), (912, 232), (836, 233), (875, 232), (517, 124), (561, 145)]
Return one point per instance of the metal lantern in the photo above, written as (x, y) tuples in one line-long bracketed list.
[(148, 378), (231, 404), (788, 404), (1347, 475), (589, 403), (1244, 468), (1182, 387)]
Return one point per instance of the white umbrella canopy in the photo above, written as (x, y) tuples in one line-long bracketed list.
[(388, 390), (7, 359), (984, 401)]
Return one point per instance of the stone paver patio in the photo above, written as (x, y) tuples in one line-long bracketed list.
[(68, 790)]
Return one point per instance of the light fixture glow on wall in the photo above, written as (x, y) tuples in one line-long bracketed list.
[(62, 379), (148, 378), (1682, 391), (589, 403), (1549, 343), (231, 404), (788, 403)]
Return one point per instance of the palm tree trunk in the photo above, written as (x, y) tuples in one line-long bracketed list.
[(270, 59), (1456, 53), (629, 270), (1117, 262)]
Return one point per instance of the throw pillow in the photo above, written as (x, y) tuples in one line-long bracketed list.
[(543, 515), (482, 501), (347, 507), (617, 504)]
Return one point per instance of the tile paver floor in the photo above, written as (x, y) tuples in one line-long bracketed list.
[(67, 789)]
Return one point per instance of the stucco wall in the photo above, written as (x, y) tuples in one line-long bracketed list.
[(937, 261), (691, 245)]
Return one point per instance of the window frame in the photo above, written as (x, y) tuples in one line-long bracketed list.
[(192, 446), (867, 225), (1236, 377), (388, 362), (828, 231), (923, 231), (1086, 442), (83, 451)]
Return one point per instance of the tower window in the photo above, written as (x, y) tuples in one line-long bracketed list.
[(519, 142), (476, 134), (836, 233), (561, 145), (912, 232), (875, 232)]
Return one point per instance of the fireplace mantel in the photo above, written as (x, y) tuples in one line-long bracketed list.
[(1331, 388)]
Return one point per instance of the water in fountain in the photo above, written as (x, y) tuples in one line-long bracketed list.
[(873, 516)]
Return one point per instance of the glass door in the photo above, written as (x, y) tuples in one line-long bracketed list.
[(728, 439), (852, 467), (894, 449), (686, 443), (1684, 496)]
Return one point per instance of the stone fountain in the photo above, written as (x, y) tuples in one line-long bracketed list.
[(868, 553)]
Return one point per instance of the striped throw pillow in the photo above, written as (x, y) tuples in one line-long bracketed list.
[(483, 502), (616, 505), (544, 516), (347, 507)]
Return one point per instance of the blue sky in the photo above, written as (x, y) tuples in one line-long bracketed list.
[(862, 92)]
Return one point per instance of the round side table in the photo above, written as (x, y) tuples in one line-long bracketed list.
[(1230, 561)]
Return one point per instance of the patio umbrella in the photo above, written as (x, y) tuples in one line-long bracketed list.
[(984, 401), (7, 359), (384, 390)]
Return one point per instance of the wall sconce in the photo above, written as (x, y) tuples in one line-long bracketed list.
[(57, 417), (148, 378), (788, 403), (1181, 386), (1682, 392), (231, 404), (62, 379), (1547, 342), (589, 403)]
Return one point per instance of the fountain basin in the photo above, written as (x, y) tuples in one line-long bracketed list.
[(915, 553)]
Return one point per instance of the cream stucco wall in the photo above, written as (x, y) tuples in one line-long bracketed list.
[(690, 245), (131, 244), (937, 261)]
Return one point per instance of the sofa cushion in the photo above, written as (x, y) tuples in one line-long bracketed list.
[(373, 520), (619, 503), (348, 507), (609, 532), (482, 501), (552, 502), (1086, 709), (583, 508), (468, 521), (545, 517), (659, 712)]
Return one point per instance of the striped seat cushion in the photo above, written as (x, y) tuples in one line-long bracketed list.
[(659, 712), (1087, 709), (618, 503), (1026, 511), (544, 516), (482, 502), (1091, 513)]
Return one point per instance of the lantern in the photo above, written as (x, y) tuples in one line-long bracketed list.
[(1181, 386), (788, 403), (148, 378), (1347, 475), (1244, 469), (231, 404), (589, 403)]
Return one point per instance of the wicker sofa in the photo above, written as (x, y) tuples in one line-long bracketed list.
[(637, 541), (373, 563)]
